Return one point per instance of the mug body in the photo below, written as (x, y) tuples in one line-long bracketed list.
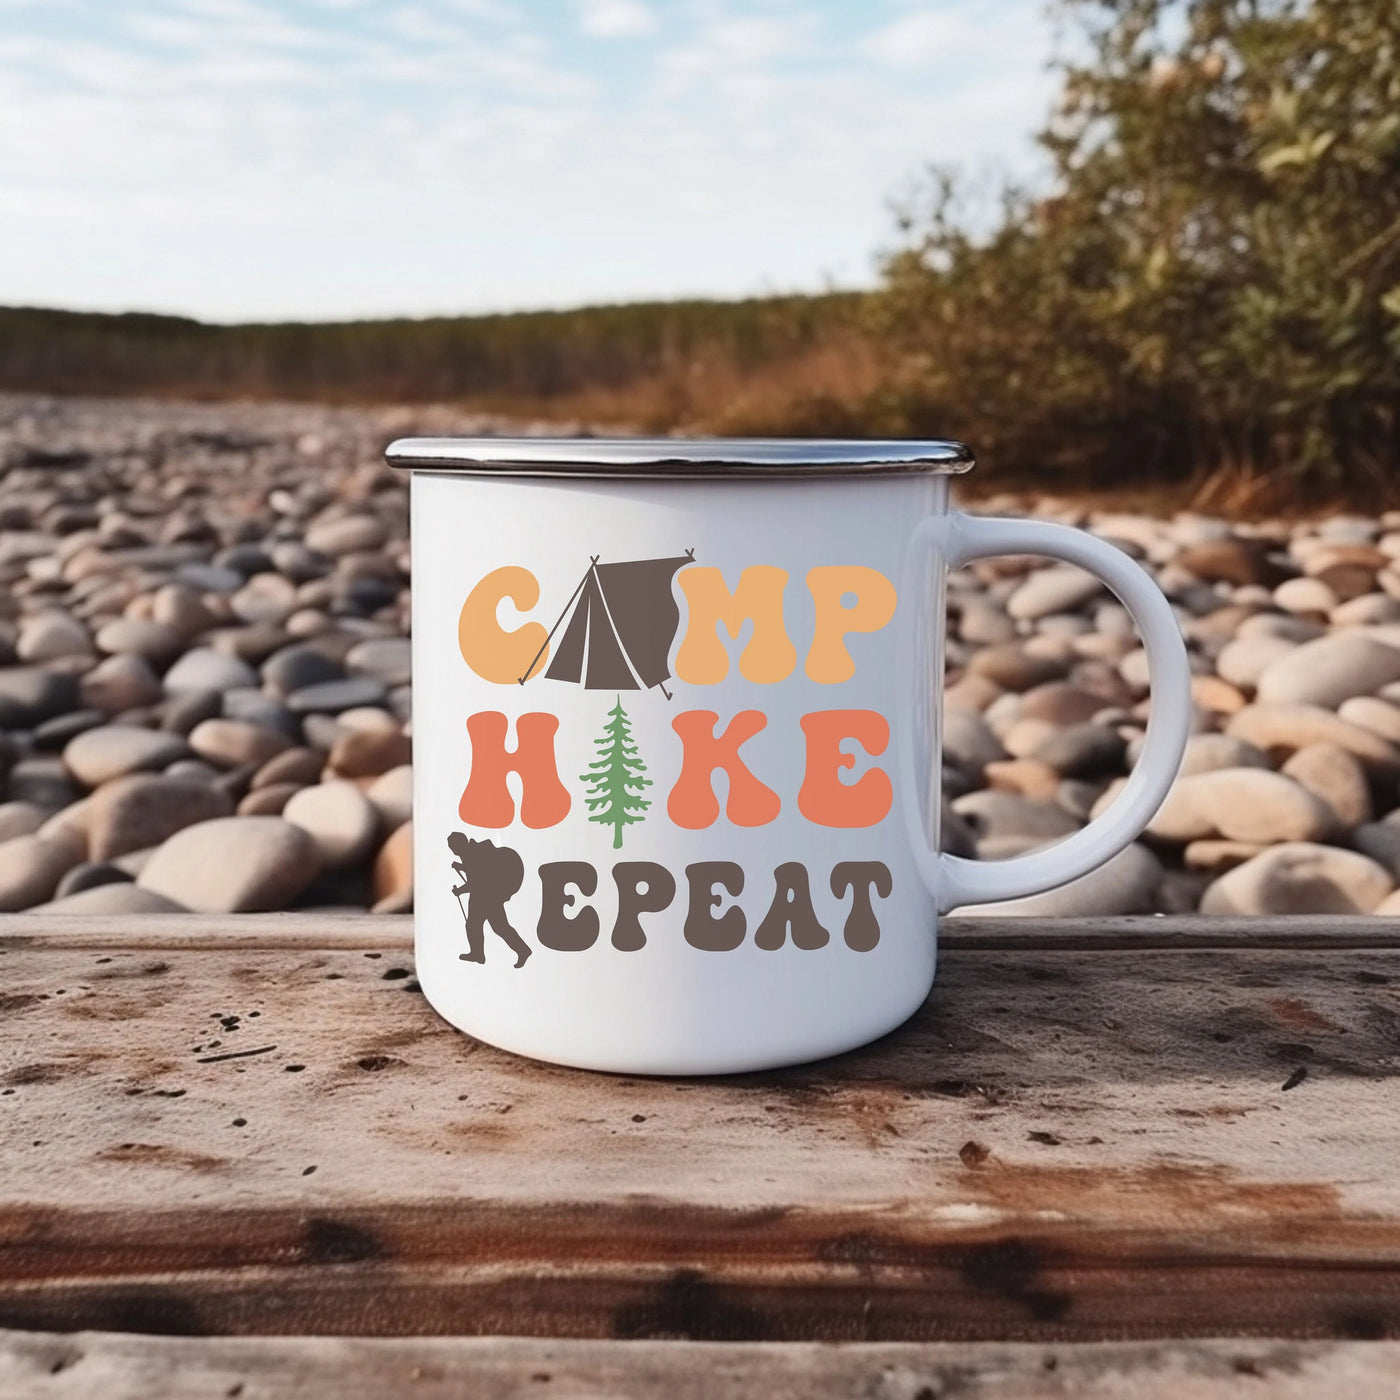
[(675, 751)]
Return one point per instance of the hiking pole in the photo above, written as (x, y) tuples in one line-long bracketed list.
[(457, 891)]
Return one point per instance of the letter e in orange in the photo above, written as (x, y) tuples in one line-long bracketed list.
[(823, 797)]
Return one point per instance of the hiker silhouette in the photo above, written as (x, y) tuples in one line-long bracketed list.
[(490, 875)]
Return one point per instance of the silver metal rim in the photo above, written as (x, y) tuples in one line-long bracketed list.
[(671, 459)]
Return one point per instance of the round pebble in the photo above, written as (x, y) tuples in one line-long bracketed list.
[(19, 819), (1300, 878), (391, 795), (143, 809), (1305, 595), (1012, 667), (339, 818), (1336, 778), (1283, 729), (113, 899), (348, 535), (1227, 560), (1379, 716), (180, 608), (30, 695), (1241, 804), (31, 867), (1062, 703), (393, 873), (968, 741), (230, 743), (1329, 670), (330, 697), (207, 669), (51, 635), (155, 641), (53, 735), (111, 751), (1027, 776), (1082, 751), (124, 682), (89, 876), (1059, 588), (995, 816), (254, 707), (296, 667), (267, 801), (233, 865), (299, 765)]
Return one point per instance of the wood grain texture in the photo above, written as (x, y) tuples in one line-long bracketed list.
[(82, 1365), (1147, 932), (233, 1136)]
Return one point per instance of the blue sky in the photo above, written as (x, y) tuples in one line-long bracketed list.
[(258, 159)]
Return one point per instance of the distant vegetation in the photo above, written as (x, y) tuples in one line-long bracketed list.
[(766, 362), (1206, 295)]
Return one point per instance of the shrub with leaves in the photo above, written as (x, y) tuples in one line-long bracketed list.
[(1212, 282)]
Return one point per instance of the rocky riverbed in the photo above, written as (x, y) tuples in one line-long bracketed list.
[(205, 703)]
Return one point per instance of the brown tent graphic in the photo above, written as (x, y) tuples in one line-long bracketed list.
[(622, 620)]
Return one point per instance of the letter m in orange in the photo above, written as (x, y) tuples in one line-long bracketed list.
[(544, 801)]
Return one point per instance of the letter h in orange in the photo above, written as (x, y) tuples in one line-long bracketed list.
[(544, 801)]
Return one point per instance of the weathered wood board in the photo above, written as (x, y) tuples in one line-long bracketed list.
[(1091, 1135), (78, 1366)]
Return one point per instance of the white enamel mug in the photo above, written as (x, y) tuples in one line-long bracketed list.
[(677, 741)]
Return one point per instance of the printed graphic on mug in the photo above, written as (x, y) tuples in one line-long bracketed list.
[(616, 632)]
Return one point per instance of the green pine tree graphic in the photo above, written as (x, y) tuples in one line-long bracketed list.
[(614, 779)]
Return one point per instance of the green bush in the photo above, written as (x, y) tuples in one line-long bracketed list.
[(1212, 283)]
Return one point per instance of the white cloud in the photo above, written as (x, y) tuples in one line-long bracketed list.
[(734, 54), (252, 158), (615, 19), (926, 37)]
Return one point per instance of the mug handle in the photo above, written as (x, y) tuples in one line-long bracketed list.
[(955, 880)]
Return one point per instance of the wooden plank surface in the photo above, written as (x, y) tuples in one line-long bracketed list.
[(268, 1131), (115, 1367), (1146, 932)]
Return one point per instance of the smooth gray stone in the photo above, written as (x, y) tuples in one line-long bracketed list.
[(90, 875), (42, 780), (258, 708), (1083, 751), (207, 669), (298, 667), (331, 697), (209, 578), (30, 694), (53, 735)]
